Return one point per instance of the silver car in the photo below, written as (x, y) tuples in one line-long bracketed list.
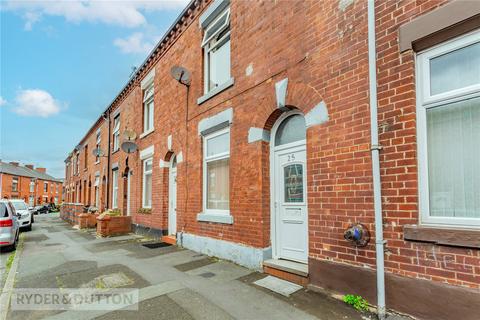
[(25, 216), (9, 227)]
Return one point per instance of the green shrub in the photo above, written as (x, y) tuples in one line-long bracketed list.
[(357, 302)]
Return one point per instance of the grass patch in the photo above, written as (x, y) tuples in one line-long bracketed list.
[(9, 262)]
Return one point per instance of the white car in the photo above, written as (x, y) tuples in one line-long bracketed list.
[(25, 218), (9, 229)]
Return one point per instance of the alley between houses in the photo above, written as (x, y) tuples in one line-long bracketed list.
[(173, 283)]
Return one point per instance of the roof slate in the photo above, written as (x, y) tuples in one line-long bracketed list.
[(19, 170)]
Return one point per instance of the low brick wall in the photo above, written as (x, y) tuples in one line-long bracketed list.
[(87, 220), (70, 212), (113, 226)]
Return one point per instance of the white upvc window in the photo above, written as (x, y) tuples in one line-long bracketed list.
[(97, 191), (116, 133), (216, 172), (31, 201), (448, 124), (147, 183), (32, 185), (14, 184), (45, 187), (99, 140), (216, 47), (148, 108), (115, 189)]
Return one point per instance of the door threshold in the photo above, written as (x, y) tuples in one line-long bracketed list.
[(297, 268)]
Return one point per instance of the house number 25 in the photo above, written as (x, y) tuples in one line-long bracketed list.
[(291, 157)]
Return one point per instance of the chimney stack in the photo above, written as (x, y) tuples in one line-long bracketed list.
[(42, 170), (14, 163), (29, 166)]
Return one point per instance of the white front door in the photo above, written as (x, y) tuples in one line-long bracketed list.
[(291, 214), (172, 199)]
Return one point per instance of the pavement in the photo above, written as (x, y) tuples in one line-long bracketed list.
[(172, 282)]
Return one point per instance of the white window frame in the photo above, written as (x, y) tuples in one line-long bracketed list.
[(99, 140), (45, 184), (206, 160), (208, 47), (144, 174), (116, 133), (426, 101), (32, 185), (148, 104), (115, 188), (15, 181)]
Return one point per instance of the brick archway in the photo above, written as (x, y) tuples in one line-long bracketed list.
[(299, 96)]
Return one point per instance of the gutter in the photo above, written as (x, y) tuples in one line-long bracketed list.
[(375, 150)]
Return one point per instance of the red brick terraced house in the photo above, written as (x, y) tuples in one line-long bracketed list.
[(261, 148), (31, 184)]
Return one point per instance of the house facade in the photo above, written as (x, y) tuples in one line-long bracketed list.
[(31, 184), (246, 134)]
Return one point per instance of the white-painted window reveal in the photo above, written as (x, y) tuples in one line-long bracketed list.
[(448, 119)]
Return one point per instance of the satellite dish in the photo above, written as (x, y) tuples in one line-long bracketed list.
[(129, 147), (129, 135), (181, 74), (97, 152)]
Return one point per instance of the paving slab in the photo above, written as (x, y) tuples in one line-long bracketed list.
[(162, 308), (198, 306), (222, 271), (280, 286)]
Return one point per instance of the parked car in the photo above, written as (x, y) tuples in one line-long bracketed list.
[(52, 207), (40, 209), (9, 226), (25, 218)]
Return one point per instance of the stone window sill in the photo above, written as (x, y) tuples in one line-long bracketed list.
[(146, 133), (216, 91), (468, 238), (217, 218)]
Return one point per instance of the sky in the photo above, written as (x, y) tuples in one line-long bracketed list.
[(61, 64)]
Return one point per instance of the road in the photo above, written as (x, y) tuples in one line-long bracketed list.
[(173, 283)]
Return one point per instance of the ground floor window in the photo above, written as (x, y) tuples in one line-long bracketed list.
[(114, 189), (147, 183), (449, 132), (216, 172)]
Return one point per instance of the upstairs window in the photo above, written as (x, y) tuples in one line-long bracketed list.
[(14, 184), (448, 119), (148, 108), (116, 133), (85, 159), (45, 187), (216, 47), (32, 185), (99, 140)]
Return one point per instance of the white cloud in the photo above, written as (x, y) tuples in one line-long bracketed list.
[(135, 43), (127, 13), (2, 101), (36, 103)]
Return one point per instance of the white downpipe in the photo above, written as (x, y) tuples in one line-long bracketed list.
[(375, 149)]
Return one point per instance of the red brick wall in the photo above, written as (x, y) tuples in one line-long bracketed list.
[(23, 191), (322, 49)]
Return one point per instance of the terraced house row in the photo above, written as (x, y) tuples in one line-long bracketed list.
[(332, 143), (33, 185)]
